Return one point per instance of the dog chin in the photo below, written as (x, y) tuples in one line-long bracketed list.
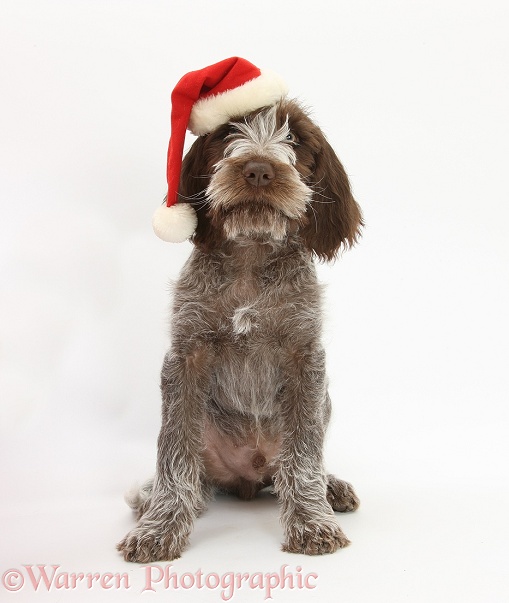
[(255, 221)]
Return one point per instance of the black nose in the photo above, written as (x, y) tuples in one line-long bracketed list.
[(258, 173)]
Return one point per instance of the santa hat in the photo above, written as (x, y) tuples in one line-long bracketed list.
[(201, 101)]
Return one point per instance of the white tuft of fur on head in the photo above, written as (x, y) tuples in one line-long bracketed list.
[(212, 111), (259, 136), (175, 224)]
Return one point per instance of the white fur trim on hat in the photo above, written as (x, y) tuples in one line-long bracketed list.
[(175, 224), (212, 111)]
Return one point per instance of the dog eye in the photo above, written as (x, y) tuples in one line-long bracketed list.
[(291, 137)]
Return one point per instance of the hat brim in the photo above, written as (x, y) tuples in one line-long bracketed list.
[(210, 112)]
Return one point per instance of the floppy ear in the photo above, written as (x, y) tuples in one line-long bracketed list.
[(193, 182), (334, 218)]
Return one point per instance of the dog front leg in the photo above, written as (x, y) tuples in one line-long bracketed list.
[(300, 480), (177, 498)]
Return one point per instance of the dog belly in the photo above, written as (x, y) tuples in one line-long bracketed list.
[(247, 381)]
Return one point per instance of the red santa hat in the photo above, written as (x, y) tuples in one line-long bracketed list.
[(201, 101)]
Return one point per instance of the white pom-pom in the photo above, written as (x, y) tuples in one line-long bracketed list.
[(175, 224)]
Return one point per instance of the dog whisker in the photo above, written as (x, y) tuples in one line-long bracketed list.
[(198, 195), (330, 199), (314, 216)]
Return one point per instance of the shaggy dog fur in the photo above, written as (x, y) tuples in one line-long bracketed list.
[(245, 402)]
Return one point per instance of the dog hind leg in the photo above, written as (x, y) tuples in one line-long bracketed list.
[(341, 495)]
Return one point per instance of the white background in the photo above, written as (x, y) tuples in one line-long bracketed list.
[(414, 96)]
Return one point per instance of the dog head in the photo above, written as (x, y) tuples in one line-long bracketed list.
[(270, 173)]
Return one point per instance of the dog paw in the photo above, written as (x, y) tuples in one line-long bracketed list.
[(341, 495), (144, 544), (315, 538)]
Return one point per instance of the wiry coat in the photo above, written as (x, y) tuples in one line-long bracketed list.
[(244, 389)]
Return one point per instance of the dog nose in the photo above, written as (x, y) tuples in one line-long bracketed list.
[(258, 173)]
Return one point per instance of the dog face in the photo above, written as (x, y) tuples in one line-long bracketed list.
[(269, 174)]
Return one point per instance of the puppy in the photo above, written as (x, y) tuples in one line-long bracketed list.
[(244, 389)]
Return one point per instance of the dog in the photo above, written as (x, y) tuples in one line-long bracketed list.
[(244, 391)]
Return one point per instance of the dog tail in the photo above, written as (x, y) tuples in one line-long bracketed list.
[(137, 496)]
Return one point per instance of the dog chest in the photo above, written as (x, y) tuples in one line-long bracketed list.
[(251, 292)]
